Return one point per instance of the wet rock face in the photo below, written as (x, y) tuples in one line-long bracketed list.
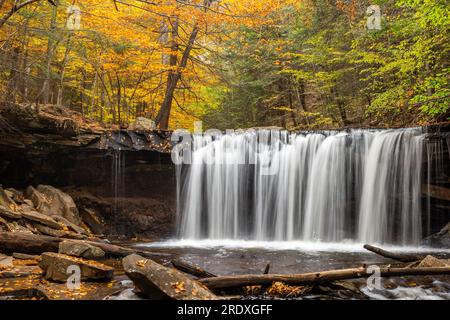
[(440, 239), (144, 217), (128, 193)]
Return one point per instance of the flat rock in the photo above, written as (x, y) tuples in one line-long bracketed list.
[(70, 225), (55, 266), (57, 233), (33, 287), (5, 261), (8, 213), (159, 282), (20, 272), (24, 256), (432, 262), (80, 249), (142, 124), (17, 228), (42, 218)]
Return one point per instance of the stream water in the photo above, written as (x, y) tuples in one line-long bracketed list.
[(225, 257), (303, 202)]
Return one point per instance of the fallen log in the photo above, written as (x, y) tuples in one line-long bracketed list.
[(37, 244), (27, 243), (403, 257), (191, 269), (228, 282)]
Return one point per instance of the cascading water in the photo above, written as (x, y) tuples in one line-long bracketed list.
[(275, 185)]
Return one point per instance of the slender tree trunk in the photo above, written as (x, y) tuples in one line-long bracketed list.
[(13, 75), (50, 53), (172, 79), (59, 97), (83, 87), (94, 92), (110, 102), (162, 118), (119, 98), (13, 10)]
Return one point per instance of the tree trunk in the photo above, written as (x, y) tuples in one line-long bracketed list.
[(13, 10), (59, 97), (172, 79), (50, 51), (314, 277), (119, 99), (162, 118), (13, 75)]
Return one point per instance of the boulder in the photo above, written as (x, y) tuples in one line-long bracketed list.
[(52, 201), (42, 218), (8, 213), (93, 220), (80, 249), (6, 201), (16, 272), (142, 124), (159, 282), (432, 262), (55, 267), (440, 239)]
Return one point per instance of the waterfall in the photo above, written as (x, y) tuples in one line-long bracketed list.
[(266, 184)]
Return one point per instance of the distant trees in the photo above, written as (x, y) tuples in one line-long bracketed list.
[(298, 64), (318, 66), (129, 58)]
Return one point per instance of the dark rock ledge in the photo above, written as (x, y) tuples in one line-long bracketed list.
[(53, 128)]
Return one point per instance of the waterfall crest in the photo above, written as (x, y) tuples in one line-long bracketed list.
[(362, 185)]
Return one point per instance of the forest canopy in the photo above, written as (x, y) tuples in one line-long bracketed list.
[(302, 64)]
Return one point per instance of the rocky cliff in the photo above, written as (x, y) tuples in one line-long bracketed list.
[(127, 177)]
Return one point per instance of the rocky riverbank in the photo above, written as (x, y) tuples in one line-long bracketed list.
[(70, 186)]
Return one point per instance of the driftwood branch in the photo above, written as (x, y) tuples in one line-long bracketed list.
[(191, 269), (267, 269), (314, 277), (403, 257)]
